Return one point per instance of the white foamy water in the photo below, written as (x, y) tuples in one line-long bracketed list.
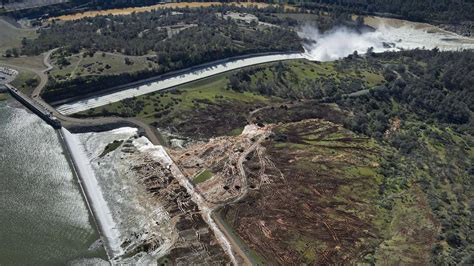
[(94, 194), (390, 35), (138, 217), (94, 102)]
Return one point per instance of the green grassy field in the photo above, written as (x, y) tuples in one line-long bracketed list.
[(98, 64), (33, 62), (202, 177), (10, 36), (303, 69), (26, 81)]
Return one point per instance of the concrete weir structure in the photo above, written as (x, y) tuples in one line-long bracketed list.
[(93, 194), (174, 79), (34, 106), (91, 190)]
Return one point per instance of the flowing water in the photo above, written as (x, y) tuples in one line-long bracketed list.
[(389, 35), (43, 217)]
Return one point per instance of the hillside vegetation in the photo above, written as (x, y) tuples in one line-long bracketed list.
[(165, 39), (146, 44), (379, 149)]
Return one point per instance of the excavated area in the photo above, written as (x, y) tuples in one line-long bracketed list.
[(291, 193), (196, 243), (223, 158), (154, 215)]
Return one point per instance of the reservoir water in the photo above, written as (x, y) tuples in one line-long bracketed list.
[(44, 219)]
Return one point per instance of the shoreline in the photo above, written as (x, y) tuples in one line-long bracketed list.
[(3, 96), (70, 160), (96, 203)]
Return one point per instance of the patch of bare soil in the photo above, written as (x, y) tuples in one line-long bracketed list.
[(307, 201), (196, 243), (224, 157), (215, 119)]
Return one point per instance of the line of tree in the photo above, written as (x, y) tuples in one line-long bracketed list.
[(445, 11), (212, 39), (423, 111)]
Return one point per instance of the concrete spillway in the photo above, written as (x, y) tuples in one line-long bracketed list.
[(35, 107), (93, 194), (170, 81)]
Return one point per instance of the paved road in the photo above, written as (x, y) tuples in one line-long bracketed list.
[(151, 132), (236, 247), (43, 74)]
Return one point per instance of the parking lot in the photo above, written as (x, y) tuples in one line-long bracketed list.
[(7, 75)]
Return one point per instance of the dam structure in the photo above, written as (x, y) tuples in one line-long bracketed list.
[(81, 167), (33, 106)]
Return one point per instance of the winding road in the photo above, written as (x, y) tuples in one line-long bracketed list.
[(236, 252), (69, 122)]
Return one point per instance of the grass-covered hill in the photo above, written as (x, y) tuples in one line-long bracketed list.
[(379, 149)]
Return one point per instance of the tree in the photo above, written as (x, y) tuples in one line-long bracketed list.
[(31, 82), (370, 51), (359, 21), (128, 62)]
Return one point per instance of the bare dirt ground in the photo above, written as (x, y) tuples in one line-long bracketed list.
[(224, 157), (129, 10), (292, 192)]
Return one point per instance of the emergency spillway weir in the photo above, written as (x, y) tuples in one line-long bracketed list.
[(93, 194)]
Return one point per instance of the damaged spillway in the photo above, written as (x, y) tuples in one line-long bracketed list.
[(94, 196)]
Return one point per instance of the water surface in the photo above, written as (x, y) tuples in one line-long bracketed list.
[(43, 217)]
